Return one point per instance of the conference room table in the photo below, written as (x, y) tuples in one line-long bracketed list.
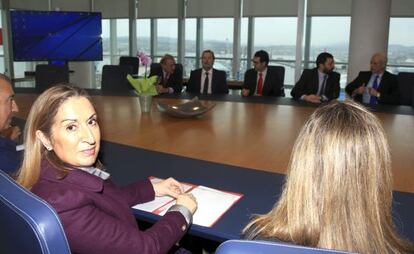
[(241, 145)]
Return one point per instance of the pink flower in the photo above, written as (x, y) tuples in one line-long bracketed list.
[(144, 59)]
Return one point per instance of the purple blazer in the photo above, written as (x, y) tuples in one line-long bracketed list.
[(96, 214)]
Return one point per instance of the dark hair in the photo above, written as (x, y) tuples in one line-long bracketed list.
[(209, 51), (263, 55), (166, 57), (322, 57)]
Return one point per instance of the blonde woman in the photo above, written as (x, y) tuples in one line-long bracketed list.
[(62, 139), (338, 189)]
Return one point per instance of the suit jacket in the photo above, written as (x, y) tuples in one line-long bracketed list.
[(174, 81), (309, 84), (96, 214), (9, 158), (218, 84), (273, 83), (388, 87)]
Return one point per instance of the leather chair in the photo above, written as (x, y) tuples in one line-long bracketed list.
[(265, 247), (155, 68), (280, 70), (114, 79), (406, 87), (47, 75), (27, 223), (131, 61)]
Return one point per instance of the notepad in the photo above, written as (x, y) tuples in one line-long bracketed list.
[(211, 203)]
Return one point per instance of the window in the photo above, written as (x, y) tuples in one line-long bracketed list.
[(277, 35), (144, 41), (401, 45), (218, 37), (244, 58), (336, 42), (166, 41), (190, 46), (122, 39), (144, 35), (106, 51)]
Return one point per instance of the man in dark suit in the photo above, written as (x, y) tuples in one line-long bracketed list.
[(375, 86), (207, 80), (318, 84), (170, 78), (261, 80)]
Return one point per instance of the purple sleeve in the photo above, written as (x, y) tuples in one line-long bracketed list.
[(138, 192), (105, 234)]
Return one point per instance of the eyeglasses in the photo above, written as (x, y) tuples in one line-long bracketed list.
[(255, 62)]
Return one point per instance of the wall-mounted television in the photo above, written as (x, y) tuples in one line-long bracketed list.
[(56, 36)]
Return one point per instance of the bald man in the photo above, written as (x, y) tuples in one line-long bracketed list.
[(377, 86), (9, 157)]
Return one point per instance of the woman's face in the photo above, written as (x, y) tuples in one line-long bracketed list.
[(75, 137)]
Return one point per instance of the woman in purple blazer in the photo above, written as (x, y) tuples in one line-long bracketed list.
[(62, 139)]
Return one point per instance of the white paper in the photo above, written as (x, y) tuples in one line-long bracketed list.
[(211, 203)]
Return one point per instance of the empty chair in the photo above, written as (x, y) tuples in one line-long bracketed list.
[(265, 247), (406, 87), (48, 75), (28, 224), (114, 79), (131, 61)]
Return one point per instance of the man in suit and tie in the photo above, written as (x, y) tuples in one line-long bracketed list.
[(170, 78), (320, 83), (207, 80), (375, 86), (261, 80)]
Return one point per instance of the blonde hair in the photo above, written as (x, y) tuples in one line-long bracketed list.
[(338, 189), (41, 117)]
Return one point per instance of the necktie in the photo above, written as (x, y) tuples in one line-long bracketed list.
[(373, 100), (165, 79), (205, 88), (322, 91), (260, 84)]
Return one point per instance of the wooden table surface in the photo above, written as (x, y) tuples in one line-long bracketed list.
[(252, 135)]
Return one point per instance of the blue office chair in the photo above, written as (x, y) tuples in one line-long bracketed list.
[(27, 223), (264, 247)]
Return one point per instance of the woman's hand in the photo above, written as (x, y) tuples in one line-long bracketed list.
[(170, 187), (188, 200)]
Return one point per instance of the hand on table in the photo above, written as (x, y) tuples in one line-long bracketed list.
[(168, 187)]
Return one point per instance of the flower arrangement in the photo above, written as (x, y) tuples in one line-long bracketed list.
[(145, 85)]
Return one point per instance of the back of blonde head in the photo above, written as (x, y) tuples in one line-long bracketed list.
[(338, 189)]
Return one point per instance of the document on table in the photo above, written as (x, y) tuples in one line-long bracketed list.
[(212, 203)]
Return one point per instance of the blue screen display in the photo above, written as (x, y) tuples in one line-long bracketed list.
[(56, 35)]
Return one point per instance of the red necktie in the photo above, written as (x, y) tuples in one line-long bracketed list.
[(260, 84)]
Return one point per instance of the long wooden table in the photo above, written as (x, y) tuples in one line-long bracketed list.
[(251, 135)]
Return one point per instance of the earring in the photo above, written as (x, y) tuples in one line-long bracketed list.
[(49, 148)]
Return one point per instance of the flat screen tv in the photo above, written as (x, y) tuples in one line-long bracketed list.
[(56, 36)]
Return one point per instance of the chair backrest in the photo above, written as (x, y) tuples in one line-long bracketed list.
[(131, 61), (265, 247), (155, 67), (114, 78), (406, 87), (27, 223), (280, 70), (48, 75)]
